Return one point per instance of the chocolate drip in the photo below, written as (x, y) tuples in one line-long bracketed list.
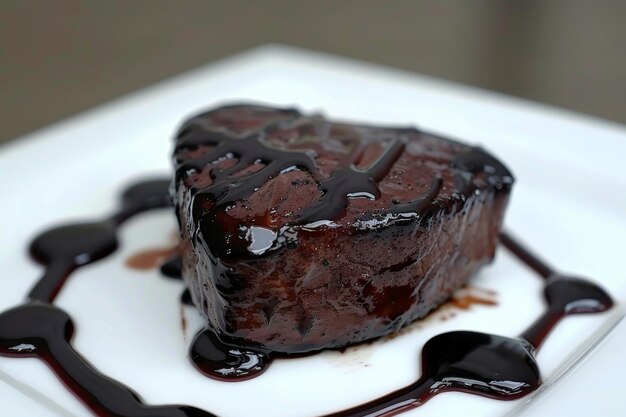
[(477, 160), (39, 329), (350, 181), (44, 331), (489, 365), (172, 268), (565, 295), (143, 196), (227, 189), (185, 298), (219, 360), (526, 256), (347, 181), (478, 363), (65, 248)]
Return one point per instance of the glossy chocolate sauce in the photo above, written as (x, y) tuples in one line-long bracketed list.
[(478, 363), (230, 362), (39, 329), (261, 188), (565, 295), (348, 179), (490, 365), (172, 269), (209, 354)]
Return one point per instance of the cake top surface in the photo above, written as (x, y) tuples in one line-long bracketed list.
[(268, 169)]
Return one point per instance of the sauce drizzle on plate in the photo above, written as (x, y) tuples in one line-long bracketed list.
[(478, 363)]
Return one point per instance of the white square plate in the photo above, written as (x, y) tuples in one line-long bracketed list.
[(568, 204)]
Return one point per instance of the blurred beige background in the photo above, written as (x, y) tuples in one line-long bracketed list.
[(58, 58)]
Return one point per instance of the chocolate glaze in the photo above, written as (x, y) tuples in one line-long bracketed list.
[(171, 268), (478, 363), (472, 362), (314, 234), (65, 248), (213, 357), (355, 176), (527, 257), (224, 362), (489, 365), (39, 329), (565, 295), (44, 331), (185, 298), (210, 354)]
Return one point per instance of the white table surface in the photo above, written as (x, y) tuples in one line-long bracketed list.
[(593, 388)]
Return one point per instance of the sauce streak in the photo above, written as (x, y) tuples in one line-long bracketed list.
[(151, 258), (349, 178), (39, 329), (477, 363), (466, 301), (489, 365), (209, 354)]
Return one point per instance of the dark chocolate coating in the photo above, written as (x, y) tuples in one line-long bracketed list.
[(301, 234), (476, 363)]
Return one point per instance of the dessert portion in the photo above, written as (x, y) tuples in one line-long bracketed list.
[(478, 363), (300, 234)]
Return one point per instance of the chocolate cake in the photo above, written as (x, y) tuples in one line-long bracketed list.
[(300, 234)]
